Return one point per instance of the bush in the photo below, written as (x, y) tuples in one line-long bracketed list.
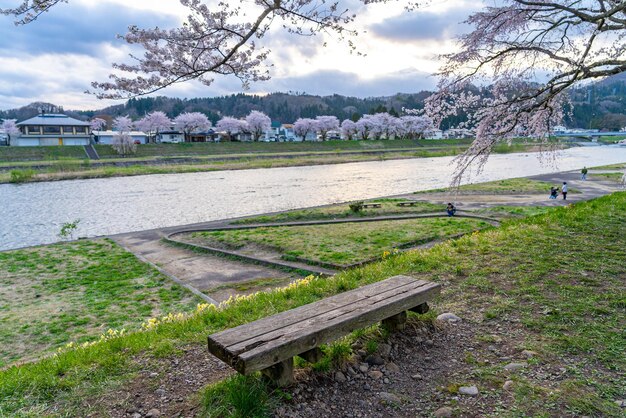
[(356, 207), (21, 176)]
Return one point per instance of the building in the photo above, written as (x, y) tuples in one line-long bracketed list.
[(106, 137), (52, 129), (170, 137), (433, 134)]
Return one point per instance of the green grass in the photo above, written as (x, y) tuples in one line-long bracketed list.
[(388, 207), (617, 177), (12, 154), (508, 186), (513, 211), (556, 281), (618, 166), (345, 243), (75, 292)]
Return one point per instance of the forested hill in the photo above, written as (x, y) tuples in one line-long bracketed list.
[(599, 105)]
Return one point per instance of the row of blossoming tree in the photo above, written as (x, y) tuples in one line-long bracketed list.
[(531, 52)]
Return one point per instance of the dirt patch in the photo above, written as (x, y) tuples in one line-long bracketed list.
[(169, 385)]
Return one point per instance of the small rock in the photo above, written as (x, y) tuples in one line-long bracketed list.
[(389, 397), (159, 392), (154, 374), (448, 317), (386, 381), (515, 366), (352, 372), (621, 403), (384, 350), (444, 412), (417, 376), (392, 367), (374, 360), (429, 342), (508, 385), (340, 377), (468, 390), (492, 348), (136, 415), (375, 374), (364, 367), (153, 413), (529, 354)]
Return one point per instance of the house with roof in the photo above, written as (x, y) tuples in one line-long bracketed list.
[(50, 130), (106, 137)]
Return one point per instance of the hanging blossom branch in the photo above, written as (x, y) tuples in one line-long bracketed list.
[(30, 10), (529, 53), (216, 42)]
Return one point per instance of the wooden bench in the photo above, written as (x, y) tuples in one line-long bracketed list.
[(371, 205), (408, 203), (270, 344)]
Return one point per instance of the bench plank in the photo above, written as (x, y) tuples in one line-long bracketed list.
[(253, 329), (261, 344)]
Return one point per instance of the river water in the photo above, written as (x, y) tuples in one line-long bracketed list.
[(33, 213)]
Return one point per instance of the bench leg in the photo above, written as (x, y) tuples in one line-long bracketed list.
[(313, 355), (281, 374), (395, 323), (421, 309)]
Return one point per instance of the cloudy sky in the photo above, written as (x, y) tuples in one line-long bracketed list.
[(55, 58)]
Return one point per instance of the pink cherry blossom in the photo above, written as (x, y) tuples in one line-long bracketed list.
[(192, 122), (258, 123), (304, 126)]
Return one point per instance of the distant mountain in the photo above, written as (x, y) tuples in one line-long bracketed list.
[(597, 105)]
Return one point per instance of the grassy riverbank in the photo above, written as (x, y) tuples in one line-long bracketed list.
[(553, 283), (519, 185), (57, 163), (74, 292)]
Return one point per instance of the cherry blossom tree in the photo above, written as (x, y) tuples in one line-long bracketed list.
[(231, 126), (97, 124), (153, 123), (122, 141), (30, 10), (364, 126), (192, 122), (11, 129), (304, 126), (414, 126), (383, 125), (326, 124), (258, 123), (348, 129), (530, 52)]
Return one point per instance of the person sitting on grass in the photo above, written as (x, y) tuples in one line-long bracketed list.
[(451, 209), (554, 192)]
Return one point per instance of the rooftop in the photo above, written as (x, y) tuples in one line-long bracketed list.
[(52, 120)]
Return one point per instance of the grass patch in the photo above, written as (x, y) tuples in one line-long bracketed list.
[(508, 186), (345, 243), (342, 211), (513, 211), (562, 271), (617, 177), (618, 166), (75, 292)]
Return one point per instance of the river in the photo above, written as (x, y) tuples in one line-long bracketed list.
[(34, 213)]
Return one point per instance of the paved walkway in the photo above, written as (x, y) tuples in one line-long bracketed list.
[(206, 271)]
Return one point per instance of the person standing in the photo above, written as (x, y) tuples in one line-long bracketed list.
[(564, 190), (583, 173)]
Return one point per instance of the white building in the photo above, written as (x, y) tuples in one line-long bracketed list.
[(106, 137), (170, 137), (433, 134), (50, 130)]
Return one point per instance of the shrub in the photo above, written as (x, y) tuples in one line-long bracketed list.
[(21, 176), (356, 207)]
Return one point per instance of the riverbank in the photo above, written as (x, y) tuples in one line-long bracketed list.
[(19, 165), (522, 296)]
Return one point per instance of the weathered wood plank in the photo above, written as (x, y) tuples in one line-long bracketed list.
[(351, 301), (277, 345), (253, 329)]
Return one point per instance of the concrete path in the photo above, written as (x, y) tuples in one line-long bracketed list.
[(203, 272)]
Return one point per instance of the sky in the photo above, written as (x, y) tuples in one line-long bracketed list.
[(55, 58)]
